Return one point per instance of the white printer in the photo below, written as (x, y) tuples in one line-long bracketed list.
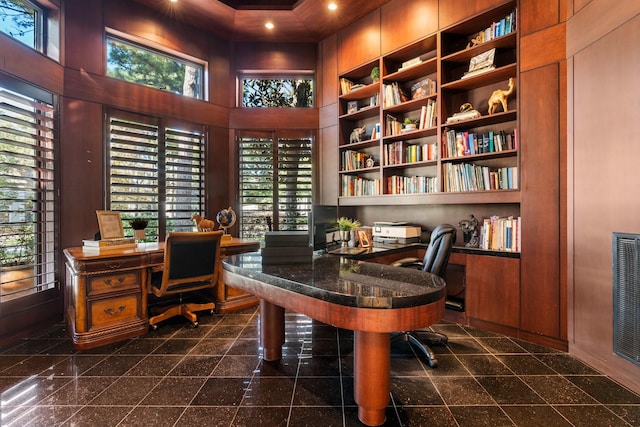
[(396, 232)]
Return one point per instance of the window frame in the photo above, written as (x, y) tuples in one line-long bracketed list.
[(159, 50), (270, 75), (47, 217)]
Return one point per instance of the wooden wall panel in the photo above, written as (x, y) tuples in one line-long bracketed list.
[(221, 88), (543, 47), (83, 36), (129, 96), (536, 15), (81, 170), (31, 66), (327, 78), (219, 171), (327, 165), (540, 205), (272, 118), (452, 11), (360, 42), (604, 184), (275, 56), (405, 21)]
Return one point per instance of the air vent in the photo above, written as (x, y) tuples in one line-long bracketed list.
[(626, 296)]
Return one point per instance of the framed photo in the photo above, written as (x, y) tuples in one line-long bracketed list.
[(110, 224), (365, 237), (352, 107)]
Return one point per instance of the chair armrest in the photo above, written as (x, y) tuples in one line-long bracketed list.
[(408, 262)]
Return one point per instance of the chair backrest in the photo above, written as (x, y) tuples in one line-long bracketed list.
[(437, 256), (191, 262)]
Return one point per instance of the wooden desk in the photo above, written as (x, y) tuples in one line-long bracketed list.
[(106, 298), (371, 299)]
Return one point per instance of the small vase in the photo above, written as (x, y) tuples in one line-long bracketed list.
[(139, 235)]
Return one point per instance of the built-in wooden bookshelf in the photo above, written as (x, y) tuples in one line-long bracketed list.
[(429, 81)]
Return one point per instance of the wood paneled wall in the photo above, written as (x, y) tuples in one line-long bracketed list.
[(603, 177)]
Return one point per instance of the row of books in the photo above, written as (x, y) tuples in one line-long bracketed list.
[(428, 115), (500, 234), (394, 94), (106, 245), (463, 143), (354, 160), (470, 177), (358, 186), (345, 86), (398, 184), (500, 28), (399, 152)]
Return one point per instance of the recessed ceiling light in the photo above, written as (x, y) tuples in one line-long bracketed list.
[(332, 6), (269, 25), (173, 1)]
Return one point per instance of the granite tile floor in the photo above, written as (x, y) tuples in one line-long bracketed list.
[(213, 375)]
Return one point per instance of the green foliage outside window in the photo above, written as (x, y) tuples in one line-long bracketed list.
[(279, 93), (136, 64)]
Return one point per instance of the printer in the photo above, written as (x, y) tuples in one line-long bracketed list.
[(396, 232)]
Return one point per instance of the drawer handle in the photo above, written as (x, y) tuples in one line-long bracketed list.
[(108, 281), (113, 265), (113, 312)]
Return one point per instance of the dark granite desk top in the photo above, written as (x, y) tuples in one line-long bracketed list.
[(344, 281)]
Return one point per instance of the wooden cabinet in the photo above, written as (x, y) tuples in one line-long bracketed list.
[(106, 301), (228, 298), (493, 292)]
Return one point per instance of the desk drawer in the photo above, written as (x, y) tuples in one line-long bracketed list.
[(102, 284), (114, 310)]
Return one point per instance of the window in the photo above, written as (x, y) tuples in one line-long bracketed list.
[(23, 21), (156, 171), (144, 66), (275, 181), (291, 92), (27, 190)]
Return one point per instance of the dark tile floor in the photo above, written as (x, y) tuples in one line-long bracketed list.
[(213, 375)]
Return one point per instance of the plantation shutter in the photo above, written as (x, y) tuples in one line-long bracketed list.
[(156, 172), (27, 190), (275, 180), (184, 183)]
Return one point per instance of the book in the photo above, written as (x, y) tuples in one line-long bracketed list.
[(107, 242), (421, 89), (97, 250)]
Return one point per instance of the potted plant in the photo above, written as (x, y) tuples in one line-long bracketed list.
[(410, 124), (347, 227), (375, 74), (138, 225)]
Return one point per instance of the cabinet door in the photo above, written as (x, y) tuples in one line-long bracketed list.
[(493, 289)]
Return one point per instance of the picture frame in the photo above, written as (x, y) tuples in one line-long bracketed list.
[(365, 237), (352, 107), (110, 224)]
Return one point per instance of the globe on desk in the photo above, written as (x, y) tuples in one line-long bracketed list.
[(226, 218)]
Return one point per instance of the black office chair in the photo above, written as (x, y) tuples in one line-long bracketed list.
[(191, 264), (435, 262)]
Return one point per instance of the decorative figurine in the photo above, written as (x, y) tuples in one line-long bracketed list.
[(202, 224), (499, 97), (356, 135), (469, 229)]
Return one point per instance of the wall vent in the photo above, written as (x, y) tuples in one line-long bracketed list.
[(626, 296)]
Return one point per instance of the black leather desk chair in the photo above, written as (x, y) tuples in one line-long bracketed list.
[(191, 263), (435, 261)]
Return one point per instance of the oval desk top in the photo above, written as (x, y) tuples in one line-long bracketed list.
[(344, 281)]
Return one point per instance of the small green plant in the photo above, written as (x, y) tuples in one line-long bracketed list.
[(347, 224), (375, 74), (410, 121), (138, 223)]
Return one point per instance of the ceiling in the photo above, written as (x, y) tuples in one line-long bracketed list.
[(244, 20)]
